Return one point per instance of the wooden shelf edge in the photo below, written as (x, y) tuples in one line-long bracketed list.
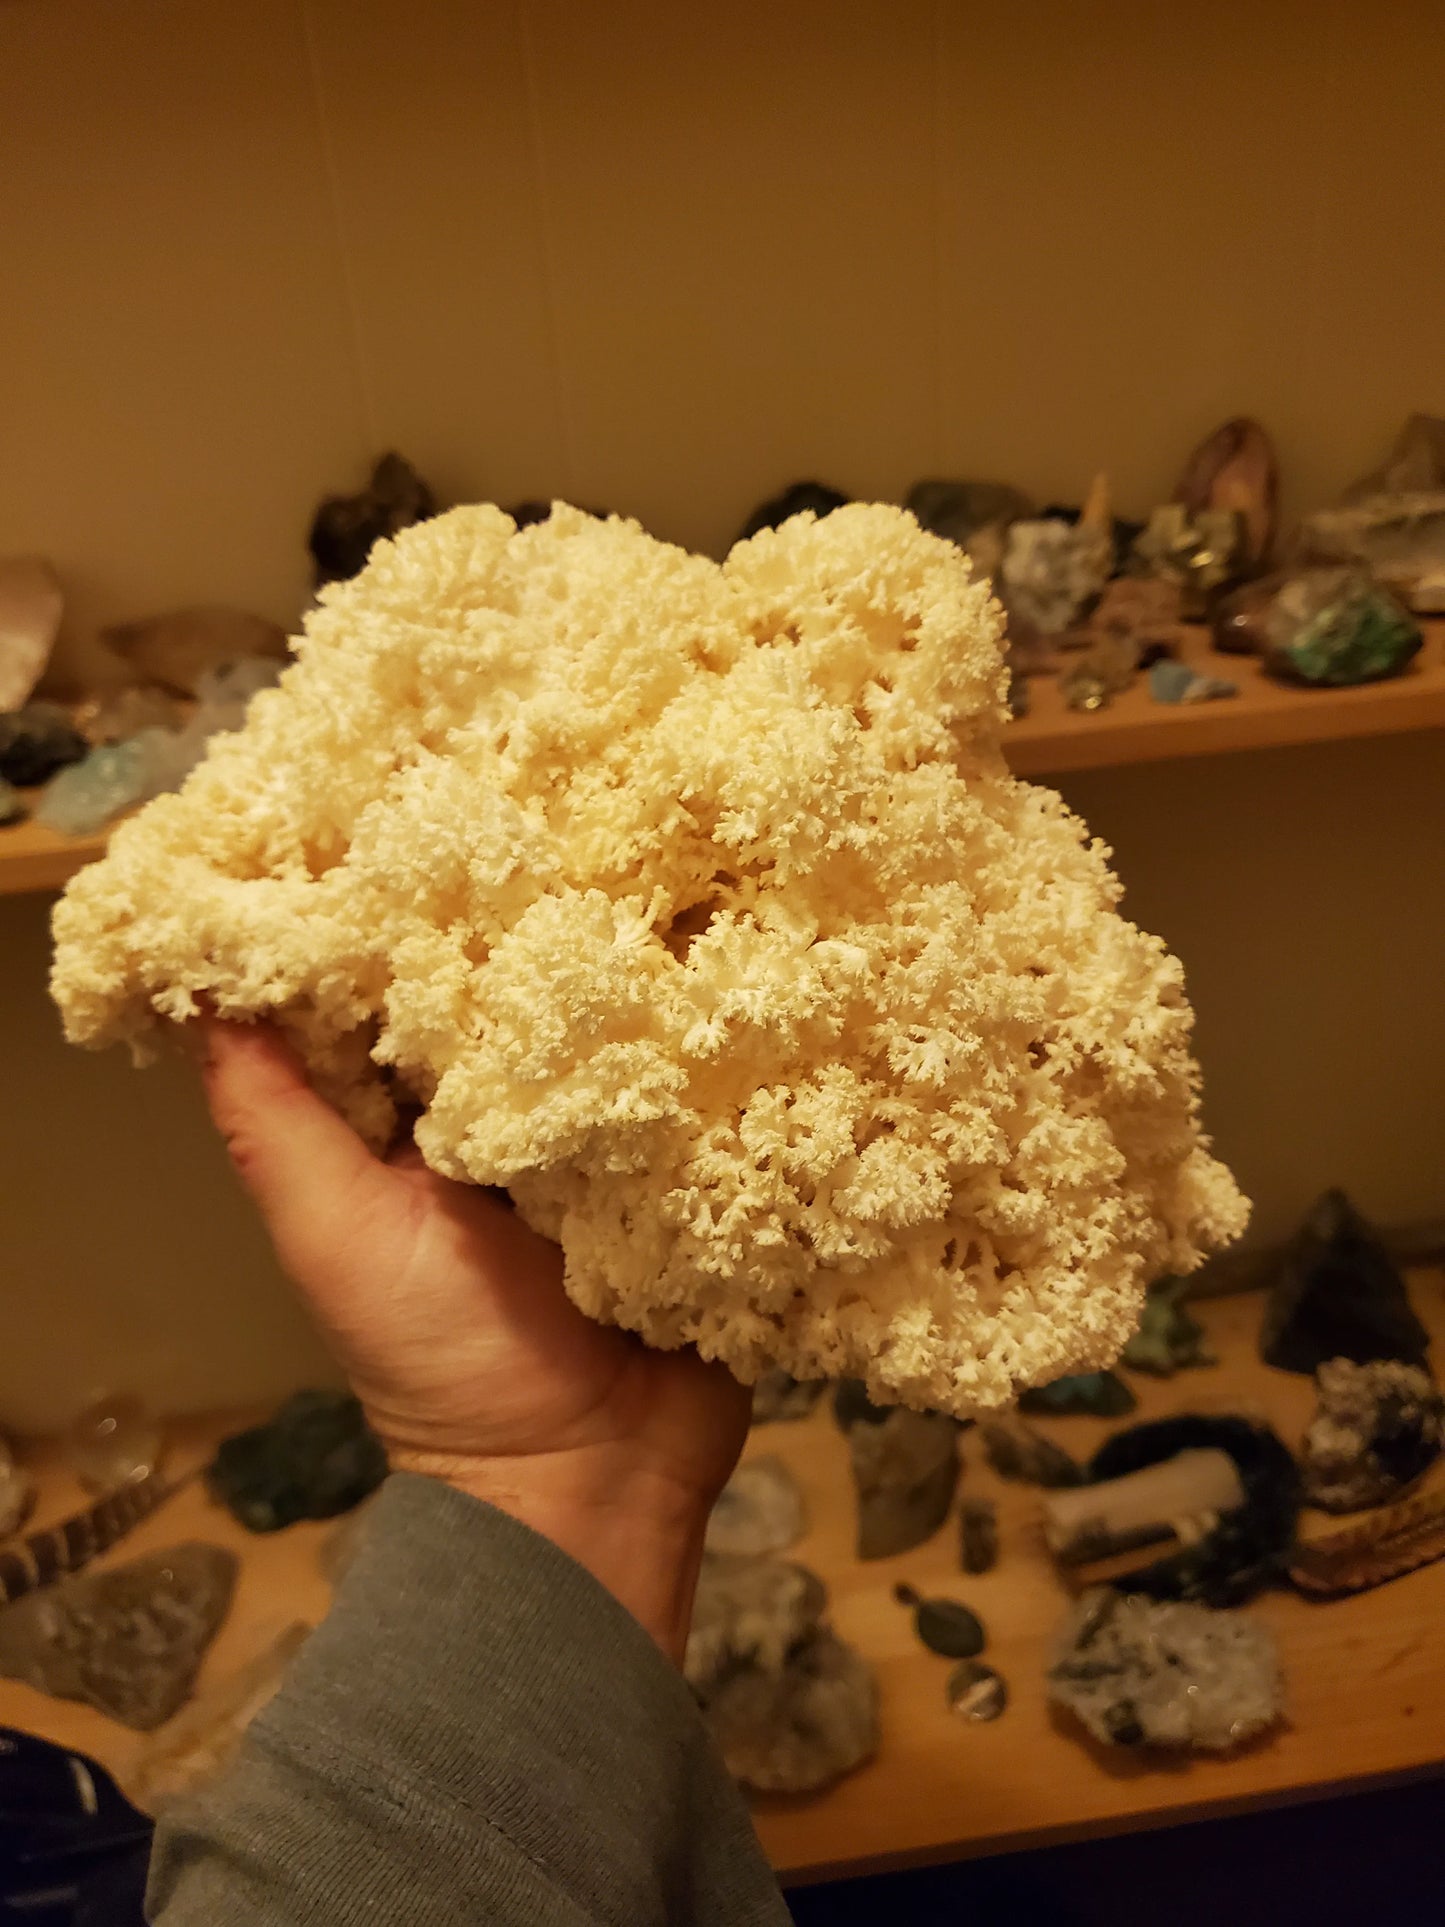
[(1051, 741)]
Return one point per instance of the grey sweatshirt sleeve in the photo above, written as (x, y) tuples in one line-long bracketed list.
[(478, 1732)]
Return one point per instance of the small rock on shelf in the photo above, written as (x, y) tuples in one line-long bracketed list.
[(35, 742), (1378, 1428), (31, 605), (316, 1458), (347, 527), (127, 1641), (978, 1535), (778, 1396), (17, 1493), (798, 497), (1177, 682), (179, 649), (904, 1472), (1138, 1672), (975, 1691), (1233, 471), (1019, 1451), (945, 1626), (1168, 1339), (1104, 1394), (759, 1510), (1051, 572), (1338, 1295)]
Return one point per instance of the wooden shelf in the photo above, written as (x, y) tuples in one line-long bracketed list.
[(1050, 740), (1365, 1677), (1265, 714)]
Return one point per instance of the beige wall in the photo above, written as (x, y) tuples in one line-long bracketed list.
[(666, 258)]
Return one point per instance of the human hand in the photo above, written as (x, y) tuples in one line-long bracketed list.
[(472, 1364)]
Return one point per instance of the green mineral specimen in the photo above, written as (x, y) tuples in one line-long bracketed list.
[(316, 1458), (1334, 628), (1168, 1339), (1102, 1393)]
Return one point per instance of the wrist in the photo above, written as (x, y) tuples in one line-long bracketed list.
[(637, 1531)]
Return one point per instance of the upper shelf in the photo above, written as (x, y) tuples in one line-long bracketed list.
[(1050, 740)]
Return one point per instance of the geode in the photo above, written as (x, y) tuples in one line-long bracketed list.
[(128, 1641), (1378, 1428), (791, 1707), (1137, 1672)]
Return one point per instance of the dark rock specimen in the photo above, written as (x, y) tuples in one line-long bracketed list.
[(791, 1707), (1168, 1339), (904, 1472), (1249, 1547), (1103, 1393), (759, 1510), (316, 1458), (1018, 1451), (35, 742), (348, 527), (852, 1405), (978, 1535), (1136, 1672), (128, 1641), (1377, 1429), (778, 1396), (1338, 1295), (794, 500), (945, 1626)]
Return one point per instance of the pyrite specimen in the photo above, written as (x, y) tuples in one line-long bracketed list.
[(1104, 1394), (1168, 1339), (778, 1396), (1338, 1295), (1140, 1672), (978, 1535), (178, 649), (346, 528), (1202, 553), (760, 1509), (904, 1471), (31, 605), (127, 1641), (1378, 1428), (792, 1708), (316, 1458)]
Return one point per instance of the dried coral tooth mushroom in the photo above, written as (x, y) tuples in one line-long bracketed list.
[(695, 904)]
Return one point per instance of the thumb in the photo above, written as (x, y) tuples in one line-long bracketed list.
[(300, 1161)]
